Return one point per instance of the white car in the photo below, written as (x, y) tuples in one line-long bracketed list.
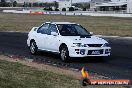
[(67, 39)]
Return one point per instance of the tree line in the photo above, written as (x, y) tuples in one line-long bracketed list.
[(14, 3), (3, 3)]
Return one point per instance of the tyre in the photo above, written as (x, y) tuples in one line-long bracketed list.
[(71, 9), (63, 9), (33, 47), (64, 54)]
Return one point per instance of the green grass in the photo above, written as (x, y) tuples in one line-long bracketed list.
[(15, 75), (98, 25)]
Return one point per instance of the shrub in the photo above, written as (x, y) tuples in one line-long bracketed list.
[(84, 9), (56, 9)]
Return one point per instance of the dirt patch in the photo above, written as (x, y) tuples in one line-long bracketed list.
[(28, 62)]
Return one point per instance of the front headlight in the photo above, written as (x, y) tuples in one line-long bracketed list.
[(106, 45), (79, 45)]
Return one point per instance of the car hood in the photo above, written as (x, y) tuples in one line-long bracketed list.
[(85, 40)]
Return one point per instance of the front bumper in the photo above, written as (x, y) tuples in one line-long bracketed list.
[(28, 42), (84, 51)]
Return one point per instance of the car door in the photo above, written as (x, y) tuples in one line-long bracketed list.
[(53, 40), (41, 36)]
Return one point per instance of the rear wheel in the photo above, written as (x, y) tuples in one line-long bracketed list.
[(64, 54), (33, 47)]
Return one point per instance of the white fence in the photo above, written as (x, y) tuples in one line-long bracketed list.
[(69, 13), (15, 11)]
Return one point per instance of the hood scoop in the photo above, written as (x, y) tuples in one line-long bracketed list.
[(85, 36), (77, 39)]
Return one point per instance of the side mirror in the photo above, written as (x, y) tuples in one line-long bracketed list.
[(54, 33), (91, 33)]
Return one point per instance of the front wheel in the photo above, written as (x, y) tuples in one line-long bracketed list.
[(64, 54)]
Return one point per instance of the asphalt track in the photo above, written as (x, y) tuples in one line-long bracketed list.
[(117, 66)]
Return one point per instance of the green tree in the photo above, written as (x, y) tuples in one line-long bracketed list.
[(3, 3), (56, 4), (14, 4)]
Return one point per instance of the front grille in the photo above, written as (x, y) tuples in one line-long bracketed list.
[(95, 45)]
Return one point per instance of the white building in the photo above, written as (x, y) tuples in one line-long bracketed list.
[(112, 6), (93, 3), (129, 6), (125, 5), (65, 4)]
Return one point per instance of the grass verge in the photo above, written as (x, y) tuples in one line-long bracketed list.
[(16, 74), (98, 25)]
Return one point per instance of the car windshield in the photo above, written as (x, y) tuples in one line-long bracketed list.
[(72, 30)]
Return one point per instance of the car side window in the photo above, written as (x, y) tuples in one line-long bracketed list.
[(52, 28), (43, 29)]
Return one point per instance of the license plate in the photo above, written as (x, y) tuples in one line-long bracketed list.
[(95, 52)]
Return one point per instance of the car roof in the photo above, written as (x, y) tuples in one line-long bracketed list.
[(60, 22)]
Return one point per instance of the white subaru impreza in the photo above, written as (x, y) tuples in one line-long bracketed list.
[(67, 39)]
